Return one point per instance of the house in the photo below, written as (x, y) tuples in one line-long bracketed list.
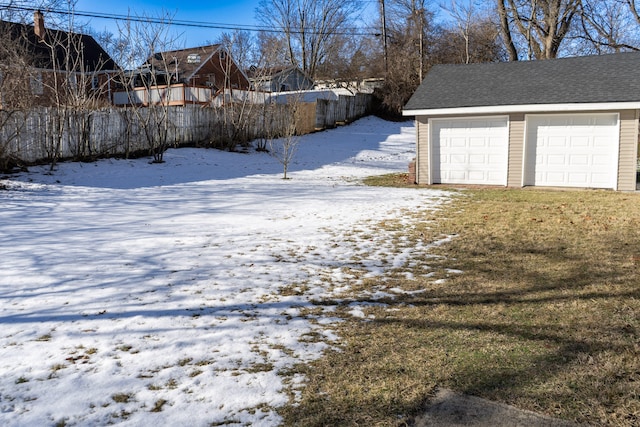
[(279, 79), (570, 122), (211, 66), (185, 76), (61, 67)]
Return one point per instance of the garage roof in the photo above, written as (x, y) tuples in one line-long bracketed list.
[(613, 78)]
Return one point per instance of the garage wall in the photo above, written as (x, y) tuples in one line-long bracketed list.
[(629, 135), (516, 149), (422, 150), (628, 150)]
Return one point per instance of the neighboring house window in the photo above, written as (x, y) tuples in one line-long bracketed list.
[(95, 82), (37, 85)]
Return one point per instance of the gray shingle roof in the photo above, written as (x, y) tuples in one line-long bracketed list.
[(587, 79)]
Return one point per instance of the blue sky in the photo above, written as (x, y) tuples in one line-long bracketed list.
[(233, 12), (237, 12)]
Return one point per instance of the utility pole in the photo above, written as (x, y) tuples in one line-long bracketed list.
[(384, 37), (417, 26), (420, 17)]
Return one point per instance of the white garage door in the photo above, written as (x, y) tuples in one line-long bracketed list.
[(470, 151), (572, 150)]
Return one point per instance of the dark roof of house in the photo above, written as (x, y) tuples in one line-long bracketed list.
[(67, 48), (587, 79), (188, 60)]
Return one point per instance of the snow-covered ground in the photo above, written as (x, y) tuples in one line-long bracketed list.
[(175, 294)]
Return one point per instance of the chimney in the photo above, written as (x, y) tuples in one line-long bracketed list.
[(38, 24)]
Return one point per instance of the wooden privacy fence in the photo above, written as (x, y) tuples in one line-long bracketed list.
[(332, 113), (45, 134)]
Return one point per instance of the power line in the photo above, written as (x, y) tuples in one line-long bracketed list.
[(181, 23)]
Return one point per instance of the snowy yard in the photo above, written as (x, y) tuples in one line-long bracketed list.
[(178, 294)]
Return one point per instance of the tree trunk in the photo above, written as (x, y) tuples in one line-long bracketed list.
[(506, 31)]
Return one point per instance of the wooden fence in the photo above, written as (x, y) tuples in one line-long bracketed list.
[(332, 113), (44, 134)]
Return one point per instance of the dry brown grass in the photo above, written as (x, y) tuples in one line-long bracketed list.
[(546, 316)]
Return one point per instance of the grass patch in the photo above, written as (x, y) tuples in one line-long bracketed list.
[(157, 406), (122, 397), (185, 361), (389, 180), (195, 373), (259, 367), (545, 316)]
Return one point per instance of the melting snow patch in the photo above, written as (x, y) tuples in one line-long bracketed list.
[(176, 293)]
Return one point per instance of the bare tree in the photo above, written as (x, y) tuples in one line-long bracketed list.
[(148, 80), (284, 148), (74, 86), (463, 15), (505, 30), (16, 67), (308, 27), (349, 65), (409, 26), (266, 116), (236, 103), (21, 11), (481, 44), (633, 8), (540, 25), (238, 106), (409, 29), (57, 71), (368, 58), (609, 26), (242, 47), (272, 51), (276, 123)]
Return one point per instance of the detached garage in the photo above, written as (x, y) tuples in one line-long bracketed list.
[(569, 122)]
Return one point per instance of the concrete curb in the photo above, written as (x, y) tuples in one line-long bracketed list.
[(451, 409)]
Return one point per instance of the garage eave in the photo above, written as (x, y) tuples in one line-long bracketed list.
[(530, 108)]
